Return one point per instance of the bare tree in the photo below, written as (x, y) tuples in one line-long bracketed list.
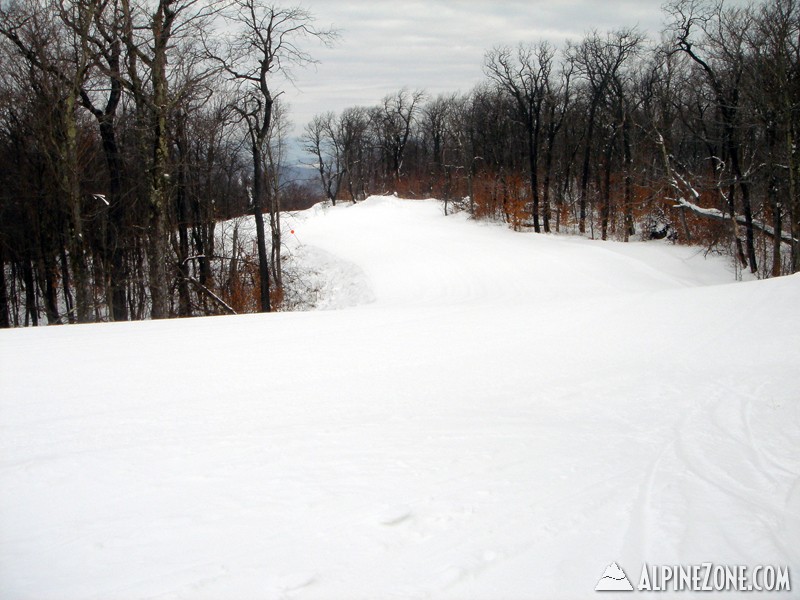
[(97, 26), (153, 38), (265, 45), (392, 122), (524, 76), (352, 130), (774, 43), (558, 98), (720, 55), (321, 140), (598, 60), (64, 59), (276, 151)]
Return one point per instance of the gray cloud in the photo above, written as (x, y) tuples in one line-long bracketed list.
[(437, 45)]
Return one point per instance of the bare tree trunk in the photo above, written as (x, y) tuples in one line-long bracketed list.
[(630, 228), (4, 307), (158, 248), (48, 276), (747, 209), (587, 155), (261, 238), (203, 228), (182, 210), (71, 186), (794, 197), (774, 202), (66, 285), (116, 225), (31, 310), (275, 230), (605, 211), (548, 171), (533, 139)]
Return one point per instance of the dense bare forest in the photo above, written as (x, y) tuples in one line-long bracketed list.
[(129, 131)]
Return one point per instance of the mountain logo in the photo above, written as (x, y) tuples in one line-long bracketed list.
[(613, 580)]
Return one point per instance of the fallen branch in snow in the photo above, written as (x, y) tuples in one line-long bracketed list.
[(711, 213), (715, 213), (226, 307)]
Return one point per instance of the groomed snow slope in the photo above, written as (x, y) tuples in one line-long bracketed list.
[(506, 416)]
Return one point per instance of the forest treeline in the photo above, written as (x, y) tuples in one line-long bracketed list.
[(129, 131)]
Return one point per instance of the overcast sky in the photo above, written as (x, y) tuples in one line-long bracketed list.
[(437, 45)]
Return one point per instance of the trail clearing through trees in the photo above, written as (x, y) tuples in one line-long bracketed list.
[(493, 415)]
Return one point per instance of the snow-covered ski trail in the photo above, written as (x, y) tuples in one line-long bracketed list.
[(490, 415)]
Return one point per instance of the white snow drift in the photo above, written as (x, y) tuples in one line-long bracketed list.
[(497, 415)]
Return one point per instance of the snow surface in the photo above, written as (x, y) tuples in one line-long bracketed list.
[(496, 415)]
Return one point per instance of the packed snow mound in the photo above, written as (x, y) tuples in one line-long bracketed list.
[(328, 281), (500, 415)]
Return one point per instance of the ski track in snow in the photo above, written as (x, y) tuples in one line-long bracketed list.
[(489, 415)]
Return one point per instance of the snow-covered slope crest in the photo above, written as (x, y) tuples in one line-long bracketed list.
[(412, 255), (511, 415)]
